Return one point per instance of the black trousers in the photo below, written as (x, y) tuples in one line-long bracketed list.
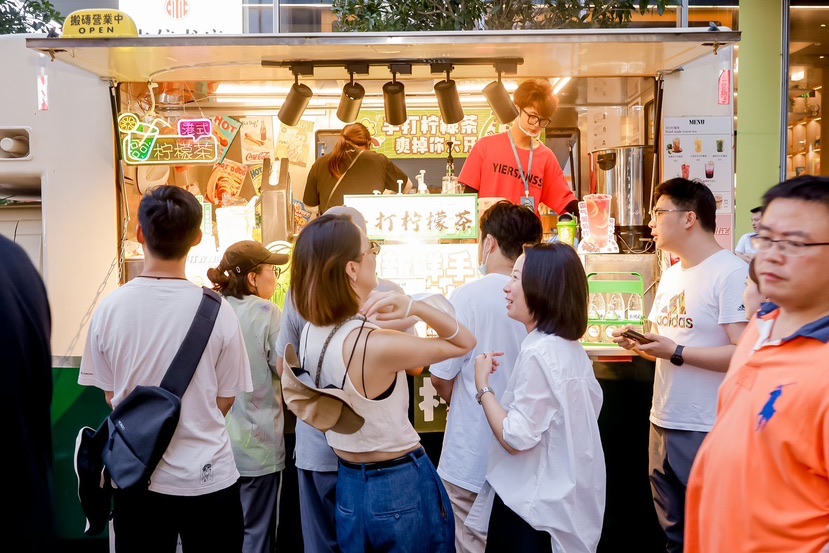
[(509, 532), (146, 521)]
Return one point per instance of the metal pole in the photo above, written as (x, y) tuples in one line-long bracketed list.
[(784, 97), (276, 16), (682, 14)]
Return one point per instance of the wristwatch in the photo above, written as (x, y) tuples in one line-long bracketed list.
[(676, 358), (482, 391)]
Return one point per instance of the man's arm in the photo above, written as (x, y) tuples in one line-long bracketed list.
[(108, 397), (443, 387), (747, 257), (714, 359), (224, 404)]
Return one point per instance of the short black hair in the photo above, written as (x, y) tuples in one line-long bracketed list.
[(757, 209), (693, 196), (807, 188), (555, 288), (512, 226), (170, 218)]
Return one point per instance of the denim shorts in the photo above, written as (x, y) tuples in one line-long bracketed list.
[(402, 508)]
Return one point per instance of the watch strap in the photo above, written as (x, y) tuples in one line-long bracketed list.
[(481, 392), (677, 358)]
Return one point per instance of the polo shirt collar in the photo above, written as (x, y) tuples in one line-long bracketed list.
[(819, 329)]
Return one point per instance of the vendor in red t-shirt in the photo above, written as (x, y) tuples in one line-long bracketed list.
[(515, 165)]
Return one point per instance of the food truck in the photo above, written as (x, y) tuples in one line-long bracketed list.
[(92, 119)]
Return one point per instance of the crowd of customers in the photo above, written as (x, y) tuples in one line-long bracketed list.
[(738, 425)]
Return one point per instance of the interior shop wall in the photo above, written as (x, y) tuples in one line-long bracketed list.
[(694, 94)]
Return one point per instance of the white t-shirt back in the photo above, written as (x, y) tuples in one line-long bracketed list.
[(481, 307), (133, 337), (690, 307)]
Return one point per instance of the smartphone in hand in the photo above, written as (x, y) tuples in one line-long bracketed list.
[(635, 336)]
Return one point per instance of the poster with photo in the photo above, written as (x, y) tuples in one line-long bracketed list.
[(257, 139), (702, 148)]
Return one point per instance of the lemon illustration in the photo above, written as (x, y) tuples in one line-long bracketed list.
[(127, 122)]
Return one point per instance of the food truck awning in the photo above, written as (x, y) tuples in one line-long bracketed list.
[(472, 54)]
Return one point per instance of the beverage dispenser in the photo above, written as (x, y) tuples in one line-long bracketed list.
[(625, 174)]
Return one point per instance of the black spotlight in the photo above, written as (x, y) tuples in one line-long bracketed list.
[(350, 101), (295, 103), (394, 99), (500, 102), (449, 102)]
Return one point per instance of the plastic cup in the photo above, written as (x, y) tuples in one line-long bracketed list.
[(709, 170), (598, 216)]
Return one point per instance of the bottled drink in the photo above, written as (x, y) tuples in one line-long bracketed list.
[(596, 307), (615, 307), (634, 312)]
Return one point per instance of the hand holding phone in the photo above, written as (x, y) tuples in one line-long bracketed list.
[(631, 334)]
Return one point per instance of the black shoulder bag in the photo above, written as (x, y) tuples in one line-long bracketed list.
[(140, 428)]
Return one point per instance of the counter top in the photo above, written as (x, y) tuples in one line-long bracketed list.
[(609, 354)]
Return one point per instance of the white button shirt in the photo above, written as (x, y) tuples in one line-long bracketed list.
[(557, 482)]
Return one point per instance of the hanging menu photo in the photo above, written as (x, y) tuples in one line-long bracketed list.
[(701, 148)]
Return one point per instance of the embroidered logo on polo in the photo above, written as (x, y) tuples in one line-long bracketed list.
[(673, 313), (768, 410)]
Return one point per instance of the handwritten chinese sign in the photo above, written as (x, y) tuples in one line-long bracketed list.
[(422, 216)]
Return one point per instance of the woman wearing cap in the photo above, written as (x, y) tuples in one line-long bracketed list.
[(351, 168), (549, 428), (246, 277), (389, 496)]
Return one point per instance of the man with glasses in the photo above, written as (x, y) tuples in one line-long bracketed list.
[(761, 480), (696, 319), (516, 165)]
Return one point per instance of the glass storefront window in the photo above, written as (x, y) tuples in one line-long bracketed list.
[(808, 56)]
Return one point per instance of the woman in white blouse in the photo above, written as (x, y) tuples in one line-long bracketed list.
[(546, 473)]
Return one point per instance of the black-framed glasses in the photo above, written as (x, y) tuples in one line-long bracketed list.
[(790, 248), (656, 212), (536, 120)]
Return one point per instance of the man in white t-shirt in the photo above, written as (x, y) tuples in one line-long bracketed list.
[(744, 249), (133, 337), (696, 319), (481, 307)]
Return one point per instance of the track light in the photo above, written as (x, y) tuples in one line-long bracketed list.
[(295, 103), (394, 98), (350, 101), (449, 102), (500, 102)]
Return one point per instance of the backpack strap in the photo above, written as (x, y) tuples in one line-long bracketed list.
[(184, 364)]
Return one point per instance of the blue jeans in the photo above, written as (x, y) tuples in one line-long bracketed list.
[(402, 508)]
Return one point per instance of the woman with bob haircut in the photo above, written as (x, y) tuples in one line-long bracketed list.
[(389, 496), (549, 428)]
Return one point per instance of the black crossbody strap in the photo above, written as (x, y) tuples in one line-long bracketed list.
[(181, 370)]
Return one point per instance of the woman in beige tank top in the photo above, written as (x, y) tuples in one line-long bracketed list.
[(389, 497)]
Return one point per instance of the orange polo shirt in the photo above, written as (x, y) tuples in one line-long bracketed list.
[(760, 481)]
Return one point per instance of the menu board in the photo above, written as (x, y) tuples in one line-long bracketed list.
[(701, 148)]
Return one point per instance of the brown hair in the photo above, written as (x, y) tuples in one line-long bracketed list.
[(230, 284), (537, 93), (322, 292), (354, 136)]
